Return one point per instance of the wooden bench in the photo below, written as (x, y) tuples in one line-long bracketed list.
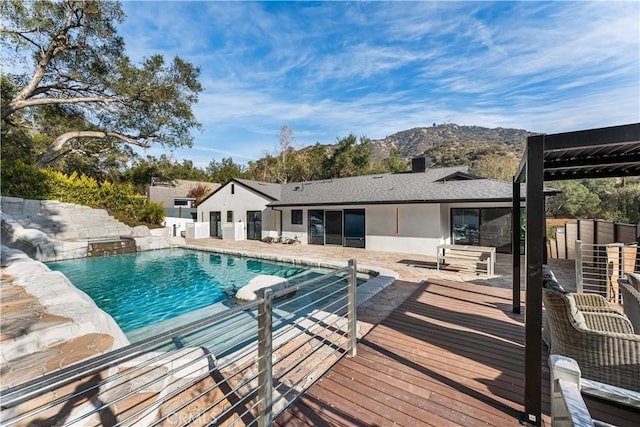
[(478, 259)]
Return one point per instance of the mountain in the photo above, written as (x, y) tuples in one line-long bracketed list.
[(450, 137)]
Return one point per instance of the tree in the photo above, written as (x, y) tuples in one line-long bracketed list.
[(350, 158), (225, 170), (263, 169), (620, 198), (315, 157), (199, 192), (142, 170), (77, 61), (626, 203), (395, 163), (287, 140), (495, 166), (575, 201)]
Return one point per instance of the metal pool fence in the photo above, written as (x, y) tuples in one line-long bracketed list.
[(598, 267), (243, 366)]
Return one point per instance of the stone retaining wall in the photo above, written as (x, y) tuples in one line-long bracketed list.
[(48, 230)]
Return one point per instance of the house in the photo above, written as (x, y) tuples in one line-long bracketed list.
[(239, 209), (395, 212), (176, 193), (177, 198)]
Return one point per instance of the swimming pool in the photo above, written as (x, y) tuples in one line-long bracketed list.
[(144, 288)]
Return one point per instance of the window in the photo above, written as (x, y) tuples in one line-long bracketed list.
[(296, 216), (233, 189), (316, 227), (482, 227), (180, 202), (229, 216), (466, 226)]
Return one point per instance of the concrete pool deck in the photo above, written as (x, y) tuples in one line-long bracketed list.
[(410, 270)]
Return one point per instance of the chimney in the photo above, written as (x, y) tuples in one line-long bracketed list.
[(419, 164)]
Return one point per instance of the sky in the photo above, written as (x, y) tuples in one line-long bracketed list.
[(328, 69)]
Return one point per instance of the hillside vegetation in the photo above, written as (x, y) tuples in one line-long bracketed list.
[(490, 153), (450, 138)]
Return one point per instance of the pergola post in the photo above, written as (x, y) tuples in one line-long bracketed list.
[(595, 153), (515, 244), (533, 280)]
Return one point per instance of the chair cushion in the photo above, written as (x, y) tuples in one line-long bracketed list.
[(576, 315), (552, 285), (547, 273)]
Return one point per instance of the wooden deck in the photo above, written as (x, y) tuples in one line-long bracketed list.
[(451, 355)]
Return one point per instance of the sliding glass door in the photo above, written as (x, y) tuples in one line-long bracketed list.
[(337, 227), (482, 227), (316, 227), (333, 228), (354, 228), (254, 225)]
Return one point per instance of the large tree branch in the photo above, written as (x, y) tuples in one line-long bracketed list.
[(23, 35), (51, 154), (15, 105), (56, 45)]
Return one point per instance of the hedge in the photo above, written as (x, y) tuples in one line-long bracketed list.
[(22, 180)]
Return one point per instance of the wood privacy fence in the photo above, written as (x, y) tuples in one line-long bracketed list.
[(590, 232)]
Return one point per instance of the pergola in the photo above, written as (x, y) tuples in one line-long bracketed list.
[(594, 153)]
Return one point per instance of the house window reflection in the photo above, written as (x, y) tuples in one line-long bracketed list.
[(482, 227)]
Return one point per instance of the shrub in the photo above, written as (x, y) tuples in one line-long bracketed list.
[(120, 200), (152, 212), (21, 180)]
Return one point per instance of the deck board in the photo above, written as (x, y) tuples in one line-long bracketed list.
[(451, 354)]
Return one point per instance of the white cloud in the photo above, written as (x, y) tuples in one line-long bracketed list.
[(327, 69)]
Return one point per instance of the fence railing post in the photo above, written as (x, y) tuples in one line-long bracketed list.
[(265, 362), (579, 277), (353, 321), (567, 410)]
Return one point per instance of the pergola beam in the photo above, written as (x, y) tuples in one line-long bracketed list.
[(605, 162), (593, 138), (595, 153)]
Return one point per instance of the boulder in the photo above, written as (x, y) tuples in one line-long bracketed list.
[(141, 231), (34, 243), (249, 292)]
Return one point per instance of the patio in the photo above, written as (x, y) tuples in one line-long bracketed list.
[(437, 347), (451, 354), (445, 348)]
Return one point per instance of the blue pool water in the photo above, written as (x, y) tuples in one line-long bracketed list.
[(144, 288)]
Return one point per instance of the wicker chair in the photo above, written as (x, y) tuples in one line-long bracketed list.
[(593, 303), (602, 343), (584, 302), (630, 302)]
